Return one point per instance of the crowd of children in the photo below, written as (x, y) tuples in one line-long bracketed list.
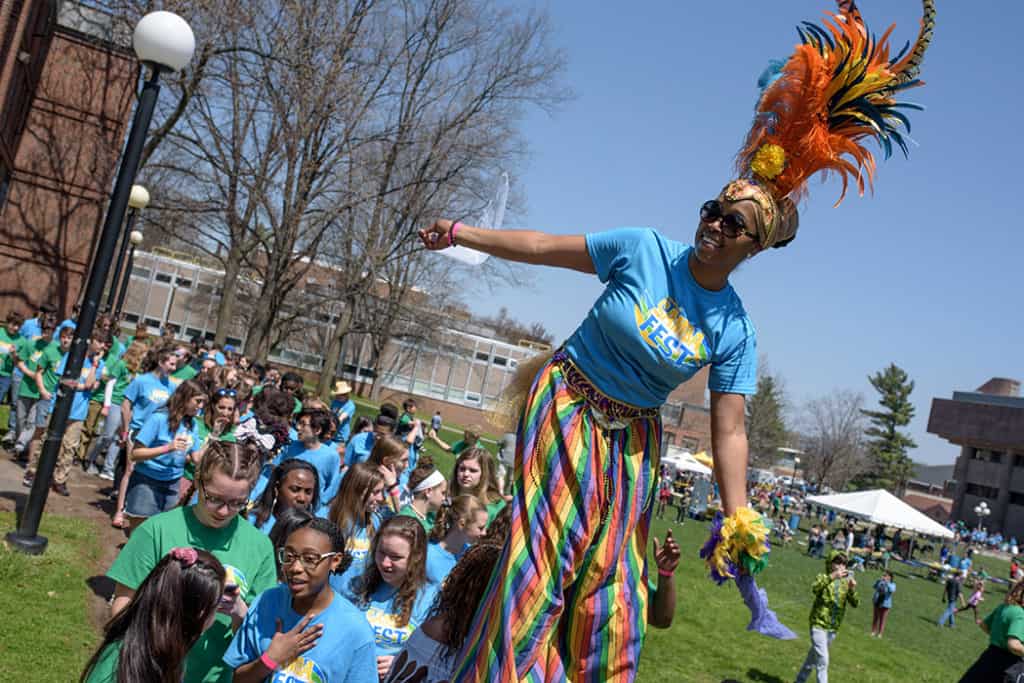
[(272, 536)]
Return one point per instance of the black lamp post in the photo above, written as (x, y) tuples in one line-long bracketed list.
[(135, 237), (137, 200), (164, 42)]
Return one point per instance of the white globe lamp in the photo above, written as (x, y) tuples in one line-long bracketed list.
[(164, 40)]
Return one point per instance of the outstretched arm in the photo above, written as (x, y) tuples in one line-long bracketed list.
[(729, 444), (524, 246)]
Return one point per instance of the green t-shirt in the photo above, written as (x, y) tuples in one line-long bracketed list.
[(8, 352), (461, 445), (31, 353), (182, 374), (246, 554), (1006, 621), (428, 523), (493, 509), (48, 364), (105, 669)]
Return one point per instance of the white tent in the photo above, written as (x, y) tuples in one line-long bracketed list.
[(881, 507), (684, 460)]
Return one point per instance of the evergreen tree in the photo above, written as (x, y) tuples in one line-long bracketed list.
[(887, 445), (766, 431)]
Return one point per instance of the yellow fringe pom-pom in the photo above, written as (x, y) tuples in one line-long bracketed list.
[(769, 161)]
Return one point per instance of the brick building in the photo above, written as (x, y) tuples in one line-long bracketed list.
[(988, 425), (67, 86)]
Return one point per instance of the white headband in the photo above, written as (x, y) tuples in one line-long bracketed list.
[(432, 480)]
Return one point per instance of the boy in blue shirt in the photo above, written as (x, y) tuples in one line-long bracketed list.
[(311, 426)]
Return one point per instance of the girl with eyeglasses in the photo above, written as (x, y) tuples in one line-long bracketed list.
[(301, 630), (393, 591), (223, 480), (149, 639)]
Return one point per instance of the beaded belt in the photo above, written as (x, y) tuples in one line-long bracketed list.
[(608, 407)]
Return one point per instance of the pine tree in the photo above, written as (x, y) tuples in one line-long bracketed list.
[(891, 467), (766, 431)]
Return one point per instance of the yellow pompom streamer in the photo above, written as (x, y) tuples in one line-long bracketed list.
[(769, 161)]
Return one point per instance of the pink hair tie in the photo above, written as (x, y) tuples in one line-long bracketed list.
[(187, 556)]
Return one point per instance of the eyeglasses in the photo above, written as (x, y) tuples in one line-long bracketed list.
[(224, 391), (732, 225), (310, 561), (216, 503)]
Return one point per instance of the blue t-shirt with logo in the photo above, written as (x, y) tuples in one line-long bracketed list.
[(147, 393), (80, 403), (345, 652), (383, 613), (30, 329), (344, 426), (654, 327), (155, 432)]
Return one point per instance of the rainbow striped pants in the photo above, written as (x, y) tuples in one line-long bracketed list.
[(568, 599)]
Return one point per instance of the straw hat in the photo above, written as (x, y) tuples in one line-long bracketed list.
[(341, 387)]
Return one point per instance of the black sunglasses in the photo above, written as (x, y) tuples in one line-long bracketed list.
[(732, 224)]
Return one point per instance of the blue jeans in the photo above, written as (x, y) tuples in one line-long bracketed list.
[(12, 420), (106, 444), (948, 614)]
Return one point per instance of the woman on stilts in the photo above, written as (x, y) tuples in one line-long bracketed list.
[(568, 599)]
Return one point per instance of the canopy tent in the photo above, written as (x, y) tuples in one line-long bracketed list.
[(684, 460), (881, 507)]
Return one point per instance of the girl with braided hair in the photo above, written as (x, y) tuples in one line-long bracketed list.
[(569, 596)]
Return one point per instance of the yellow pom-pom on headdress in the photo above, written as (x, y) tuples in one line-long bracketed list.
[(769, 161)]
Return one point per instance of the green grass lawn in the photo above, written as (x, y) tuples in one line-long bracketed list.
[(708, 641), (45, 603)]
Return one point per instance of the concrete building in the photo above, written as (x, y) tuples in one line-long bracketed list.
[(988, 425), (67, 85)]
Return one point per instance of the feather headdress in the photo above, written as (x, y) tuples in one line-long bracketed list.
[(819, 107)]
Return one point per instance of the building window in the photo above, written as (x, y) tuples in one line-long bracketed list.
[(140, 272), (498, 360), (480, 355), (1018, 460), (131, 318), (981, 491), (191, 332), (163, 277), (670, 439), (1016, 498), (153, 322), (671, 413), (184, 283)]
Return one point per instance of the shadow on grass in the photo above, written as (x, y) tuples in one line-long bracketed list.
[(19, 499), (762, 677), (101, 586)]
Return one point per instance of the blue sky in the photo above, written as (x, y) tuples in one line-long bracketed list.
[(926, 273)]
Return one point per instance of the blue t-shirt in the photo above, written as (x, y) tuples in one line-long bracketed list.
[(440, 562), (147, 394), (30, 329), (328, 466), (344, 653), (359, 448), (654, 327), (382, 613), (80, 403), (348, 408), (155, 432)]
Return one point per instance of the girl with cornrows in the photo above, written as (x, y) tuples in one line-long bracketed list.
[(223, 481)]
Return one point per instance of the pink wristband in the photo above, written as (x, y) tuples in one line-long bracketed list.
[(268, 662), (451, 234), (663, 572)]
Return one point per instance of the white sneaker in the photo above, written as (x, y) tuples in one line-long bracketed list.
[(106, 476)]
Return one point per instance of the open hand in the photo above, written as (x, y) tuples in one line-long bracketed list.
[(287, 645), (388, 473)]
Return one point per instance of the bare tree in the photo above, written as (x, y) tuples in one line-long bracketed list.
[(832, 429)]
